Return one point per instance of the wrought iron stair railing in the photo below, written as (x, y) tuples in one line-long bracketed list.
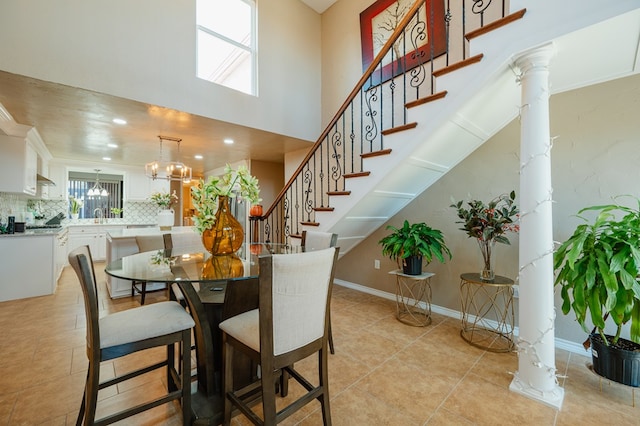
[(429, 40)]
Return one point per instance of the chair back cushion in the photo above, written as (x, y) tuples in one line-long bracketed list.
[(301, 283), (149, 242), (316, 240)]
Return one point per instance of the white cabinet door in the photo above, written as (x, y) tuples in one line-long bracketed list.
[(138, 187), (30, 170), (18, 166), (58, 174)]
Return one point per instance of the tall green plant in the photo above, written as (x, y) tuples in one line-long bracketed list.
[(597, 270)]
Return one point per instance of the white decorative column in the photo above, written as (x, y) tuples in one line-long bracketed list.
[(536, 375)]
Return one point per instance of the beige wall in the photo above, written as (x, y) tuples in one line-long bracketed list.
[(271, 179), (132, 48), (594, 158)]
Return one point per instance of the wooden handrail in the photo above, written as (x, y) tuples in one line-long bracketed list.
[(372, 66)]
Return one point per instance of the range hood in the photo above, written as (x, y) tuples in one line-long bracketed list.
[(43, 181)]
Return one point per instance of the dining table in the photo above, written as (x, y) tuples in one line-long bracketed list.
[(222, 286)]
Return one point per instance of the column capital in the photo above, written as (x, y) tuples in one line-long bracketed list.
[(538, 57)]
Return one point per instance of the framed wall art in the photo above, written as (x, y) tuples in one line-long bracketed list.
[(379, 21)]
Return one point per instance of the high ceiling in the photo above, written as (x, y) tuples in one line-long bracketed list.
[(77, 124)]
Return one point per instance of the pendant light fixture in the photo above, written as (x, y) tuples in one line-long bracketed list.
[(169, 170), (97, 190)]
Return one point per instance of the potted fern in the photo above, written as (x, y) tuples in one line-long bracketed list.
[(597, 272), (413, 243)]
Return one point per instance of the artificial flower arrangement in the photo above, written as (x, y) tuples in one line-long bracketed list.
[(487, 223), (76, 204), (164, 200), (232, 183)]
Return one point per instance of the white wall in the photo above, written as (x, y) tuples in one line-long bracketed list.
[(145, 50)]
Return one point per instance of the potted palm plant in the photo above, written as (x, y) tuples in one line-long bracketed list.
[(413, 243), (597, 272)]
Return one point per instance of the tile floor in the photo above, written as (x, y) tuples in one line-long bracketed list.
[(383, 372)]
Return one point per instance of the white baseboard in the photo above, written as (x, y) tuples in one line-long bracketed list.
[(574, 347)]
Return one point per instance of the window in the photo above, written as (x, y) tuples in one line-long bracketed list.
[(226, 43), (79, 185)]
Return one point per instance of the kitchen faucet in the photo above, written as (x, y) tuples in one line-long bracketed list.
[(98, 215)]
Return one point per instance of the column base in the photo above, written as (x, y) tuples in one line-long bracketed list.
[(553, 398)]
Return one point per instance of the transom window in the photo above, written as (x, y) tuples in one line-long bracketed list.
[(226, 41)]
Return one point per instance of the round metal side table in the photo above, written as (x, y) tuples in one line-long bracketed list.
[(413, 298), (487, 312)]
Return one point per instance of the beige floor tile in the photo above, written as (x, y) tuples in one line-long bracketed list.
[(383, 373), (408, 389), (444, 417), (485, 403)]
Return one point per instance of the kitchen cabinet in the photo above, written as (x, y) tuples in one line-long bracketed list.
[(58, 174), (27, 265), (18, 165), (93, 236), (60, 252), (139, 187)]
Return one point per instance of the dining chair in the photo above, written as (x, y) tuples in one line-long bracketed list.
[(240, 296), (290, 324), (313, 240), (122, 333), (150, 243)]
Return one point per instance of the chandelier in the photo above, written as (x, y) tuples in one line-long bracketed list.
[(169, 170), (97, 190)]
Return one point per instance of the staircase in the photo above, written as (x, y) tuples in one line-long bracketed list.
[(405, 125)]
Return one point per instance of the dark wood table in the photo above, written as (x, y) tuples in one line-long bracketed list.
[(225, 286)]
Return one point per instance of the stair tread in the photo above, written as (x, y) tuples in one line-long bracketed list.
[(458, 65), (496, 24), (339, 193), (434, 97), (358, 174), (399, 128), (376, 153)]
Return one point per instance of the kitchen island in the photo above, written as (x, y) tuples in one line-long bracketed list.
[(31, 262), (122, 243)]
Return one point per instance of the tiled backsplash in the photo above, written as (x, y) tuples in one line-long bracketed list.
[(133, 212)]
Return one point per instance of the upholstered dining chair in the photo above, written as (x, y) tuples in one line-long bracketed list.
[(291, 323), (150, 243), (313, 240), (125, 332)]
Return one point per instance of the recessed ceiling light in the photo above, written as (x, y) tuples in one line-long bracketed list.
[(228, 141), (119, 121), (198, 157), (106, 158), (112, 145)]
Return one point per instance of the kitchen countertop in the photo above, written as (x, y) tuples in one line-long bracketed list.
[(154, 230), (35, 232)]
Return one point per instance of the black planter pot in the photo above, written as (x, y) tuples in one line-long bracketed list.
[(412, 265), (620, 363)]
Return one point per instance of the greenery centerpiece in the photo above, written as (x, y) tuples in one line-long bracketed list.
[(164, 200), (597, 272), (75, 205), (412, 243), (221, 232), (166, 215), (487, 223)]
